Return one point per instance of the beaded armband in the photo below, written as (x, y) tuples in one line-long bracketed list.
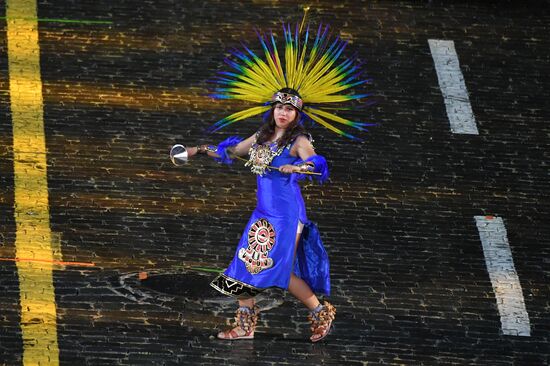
[(204, 149)]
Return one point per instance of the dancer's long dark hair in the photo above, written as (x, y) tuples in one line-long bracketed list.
[(267, 130)]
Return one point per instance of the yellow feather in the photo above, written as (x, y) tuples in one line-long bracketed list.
[(329, 90), (300, 72), (258, 78), (261, 73), (248, 80), (288, 62), (332, 77), (323, 122), (249, 97), (258, 89), (329, 99), (250, 112), (331, 116), (268, 73), (319, 73), (314, 75), (263, 77), (276, 70), (279, 67)]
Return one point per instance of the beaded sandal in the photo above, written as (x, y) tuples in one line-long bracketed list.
[(245, 319), (321, 319)]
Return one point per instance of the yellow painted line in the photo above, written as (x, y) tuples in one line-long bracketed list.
[(32, 216), (60, 20)]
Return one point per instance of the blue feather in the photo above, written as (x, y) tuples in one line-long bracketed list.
[(321, 166), (222, 149)]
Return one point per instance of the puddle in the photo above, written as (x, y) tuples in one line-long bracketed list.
[(186, 289)]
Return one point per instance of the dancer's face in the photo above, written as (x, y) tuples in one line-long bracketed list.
[(284, 115)]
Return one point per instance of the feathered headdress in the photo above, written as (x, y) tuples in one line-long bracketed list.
[(315, 71)]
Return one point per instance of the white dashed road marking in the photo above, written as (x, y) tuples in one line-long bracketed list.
[(451, 82), (505, 280)]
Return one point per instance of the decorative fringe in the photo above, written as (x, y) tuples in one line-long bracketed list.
[(321, 166), (246, 318), (222, 149), (321, 318)]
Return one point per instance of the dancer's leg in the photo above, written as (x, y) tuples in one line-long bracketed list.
[(299, 288), (248, 302), (321, 316)]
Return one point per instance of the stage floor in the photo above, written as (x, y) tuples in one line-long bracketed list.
[(107, 248)]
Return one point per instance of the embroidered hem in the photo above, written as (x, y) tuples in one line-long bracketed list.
[(232, 287)]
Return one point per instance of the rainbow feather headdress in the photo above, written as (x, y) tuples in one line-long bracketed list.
[(315, 71)]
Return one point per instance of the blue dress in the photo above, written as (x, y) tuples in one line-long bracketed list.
[(265, 256)]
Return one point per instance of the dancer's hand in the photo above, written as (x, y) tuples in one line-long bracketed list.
[(289, 169), (199, 149), (180, 154), (192, 151)]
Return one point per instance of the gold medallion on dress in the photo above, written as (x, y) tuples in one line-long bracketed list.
[(261, 239), (262, 155)]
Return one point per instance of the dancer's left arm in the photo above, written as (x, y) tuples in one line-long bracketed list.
[(309, 162), (303, 148)]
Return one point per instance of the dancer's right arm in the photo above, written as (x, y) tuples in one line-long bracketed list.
[(243, 147), (239, 149)]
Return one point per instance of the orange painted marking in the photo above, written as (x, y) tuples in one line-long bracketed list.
[(61, 263)]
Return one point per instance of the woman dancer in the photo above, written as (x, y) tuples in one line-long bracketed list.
[(280, 247), (265, 256)]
